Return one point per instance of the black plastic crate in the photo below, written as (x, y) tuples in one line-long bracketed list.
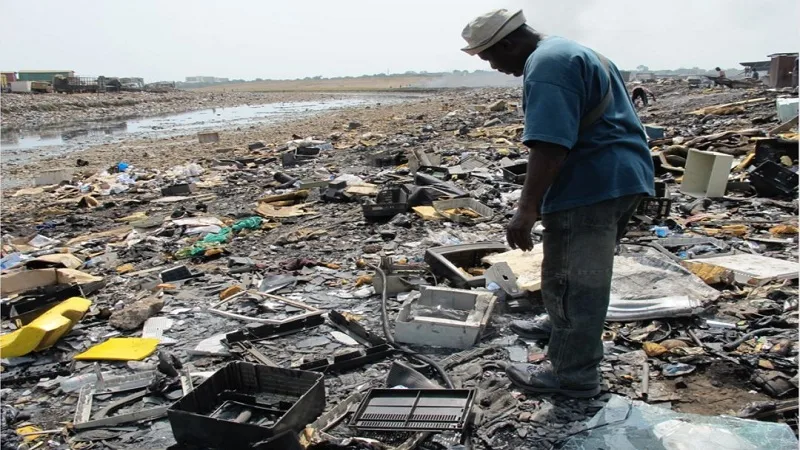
[(515, 173), (661, 189), (414, 410), (390, 201), (772, 180), (654, 207), (773, 149), (294, 398)]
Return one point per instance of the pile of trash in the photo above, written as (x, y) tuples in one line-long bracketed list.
[(352, 291)]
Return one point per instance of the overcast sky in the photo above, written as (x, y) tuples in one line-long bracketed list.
[(172, 39)]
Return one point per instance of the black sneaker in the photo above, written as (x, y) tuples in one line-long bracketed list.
[(538, 328), (541, 379)]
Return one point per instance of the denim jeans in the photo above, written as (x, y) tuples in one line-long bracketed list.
[(579, 246)]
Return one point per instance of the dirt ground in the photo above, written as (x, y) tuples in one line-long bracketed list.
[(325, 250)]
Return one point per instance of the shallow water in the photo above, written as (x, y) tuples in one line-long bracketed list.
[(25, 146)]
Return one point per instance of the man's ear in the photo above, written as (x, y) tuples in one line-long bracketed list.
[(505, 44)]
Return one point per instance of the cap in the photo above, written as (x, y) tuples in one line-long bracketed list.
[(490, 28)]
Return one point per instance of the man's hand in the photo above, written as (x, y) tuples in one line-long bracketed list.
[(518, 233)]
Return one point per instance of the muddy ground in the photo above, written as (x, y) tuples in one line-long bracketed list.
[(34, 111), (325, 251)]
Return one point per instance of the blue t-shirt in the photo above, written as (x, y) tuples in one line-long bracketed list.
[(564, 81)]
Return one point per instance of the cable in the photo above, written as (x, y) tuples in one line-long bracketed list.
[(732, 345), (390, 338)]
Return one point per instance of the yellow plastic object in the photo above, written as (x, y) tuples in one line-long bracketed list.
[(28, 430), (44, 331), (121, 349)]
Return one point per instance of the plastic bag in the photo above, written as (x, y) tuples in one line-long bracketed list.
[(679, 435), (250, 223), (218, 238), (349, 179)]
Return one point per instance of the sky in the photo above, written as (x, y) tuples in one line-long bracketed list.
[(273, 39)]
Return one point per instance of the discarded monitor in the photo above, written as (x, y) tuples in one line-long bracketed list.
[(515, 173), (444, 317), (391, 200), (414, 410), (706, 174), (213, 414), (453, 261)]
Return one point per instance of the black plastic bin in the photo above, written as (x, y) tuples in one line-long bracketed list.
[(774, 180), (657, 207), (295, 397)]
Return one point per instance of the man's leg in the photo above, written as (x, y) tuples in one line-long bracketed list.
[(579, 249)]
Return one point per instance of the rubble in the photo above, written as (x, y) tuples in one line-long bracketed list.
[(134, 315), (243, 268)]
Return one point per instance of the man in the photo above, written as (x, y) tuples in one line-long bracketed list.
[(641, 93), (589, 165), (720, 72)]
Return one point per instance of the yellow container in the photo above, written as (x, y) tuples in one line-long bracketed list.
[(44, 331)]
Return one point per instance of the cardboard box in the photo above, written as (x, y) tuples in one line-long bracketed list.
[(24, 280)]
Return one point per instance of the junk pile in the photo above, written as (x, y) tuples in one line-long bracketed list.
[(353, 291)]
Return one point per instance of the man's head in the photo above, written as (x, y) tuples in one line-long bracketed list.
[(717, 69), (502, 39)]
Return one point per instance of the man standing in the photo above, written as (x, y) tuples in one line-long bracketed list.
[(589, 165)]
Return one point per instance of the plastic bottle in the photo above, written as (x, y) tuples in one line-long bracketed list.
[(661, 231), (74, 384)]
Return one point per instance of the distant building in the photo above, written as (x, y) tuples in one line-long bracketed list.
[(43, 75), (203, 79), (645, 76)]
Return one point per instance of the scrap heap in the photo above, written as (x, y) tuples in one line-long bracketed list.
[(273, 294)]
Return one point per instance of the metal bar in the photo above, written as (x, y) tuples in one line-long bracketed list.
[(151, 413), (412, 410), (645, 387)]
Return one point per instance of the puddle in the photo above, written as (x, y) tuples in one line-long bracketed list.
[(28, 146)]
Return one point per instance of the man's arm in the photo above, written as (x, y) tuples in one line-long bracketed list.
[(544, 163)]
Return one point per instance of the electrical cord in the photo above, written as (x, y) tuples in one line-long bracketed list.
[(411, 353), (390, 338)]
